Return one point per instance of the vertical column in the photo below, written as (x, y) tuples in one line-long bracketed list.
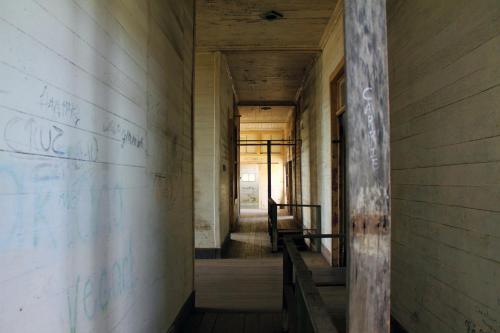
[(368, 164), (269, 194), (287, 289), (319, 229)]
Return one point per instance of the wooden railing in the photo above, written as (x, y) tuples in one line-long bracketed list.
[(272, 224), (275, 232), (303, 308)]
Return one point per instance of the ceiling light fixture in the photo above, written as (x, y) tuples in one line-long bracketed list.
[(272, 15)]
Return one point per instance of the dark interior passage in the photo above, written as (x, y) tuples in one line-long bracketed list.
[(249, 166)]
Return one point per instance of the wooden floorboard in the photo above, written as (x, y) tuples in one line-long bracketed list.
[(207, 324), (243, 291), (250, 239), (270, 322), (252, 323), (239, 284), (194, 322), (229, 322)]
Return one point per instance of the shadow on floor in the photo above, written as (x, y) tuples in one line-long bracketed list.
[(250, 239), (242, 292), (233, 322)]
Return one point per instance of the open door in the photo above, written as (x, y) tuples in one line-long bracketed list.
[(234, 136), (338, 107), (289, 185)]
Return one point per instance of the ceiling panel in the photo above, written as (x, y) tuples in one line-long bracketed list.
[(238, 24), (259, 118), (268, 76), (263, 127), (267, 59)]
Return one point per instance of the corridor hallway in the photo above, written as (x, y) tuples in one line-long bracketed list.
[(250, 239), (152, 153), (242, 292)]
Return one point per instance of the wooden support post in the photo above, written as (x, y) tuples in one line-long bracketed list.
[(287, 311), (317, 242), (274, 224), (269, 193), (368, 166)]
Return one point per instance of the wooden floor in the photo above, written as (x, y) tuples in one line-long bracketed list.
[(239, 284), (229, 322), (237, 295), (243, 291), (251, 238)]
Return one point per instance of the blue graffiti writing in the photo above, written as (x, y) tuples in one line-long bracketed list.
[(90, 296), (40, 137)]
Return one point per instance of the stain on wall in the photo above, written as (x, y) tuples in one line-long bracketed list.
[(212, 179)]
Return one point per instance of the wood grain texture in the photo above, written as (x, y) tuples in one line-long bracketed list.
[(268, 60), (228, 322), (239, 284), (311, 314), (368, 165), (256, 115), (315, 130), (250, 239), (445, 97), (95, 164), (238, 24), (213, 112), (269, 76)]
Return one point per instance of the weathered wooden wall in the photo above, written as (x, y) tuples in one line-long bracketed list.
[(204, 151), (226, 104), (213, 111), (368, 167), (95, 164), (316, 158), (444, 61)]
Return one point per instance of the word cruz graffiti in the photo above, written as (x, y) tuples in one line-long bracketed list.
[(31, 136)]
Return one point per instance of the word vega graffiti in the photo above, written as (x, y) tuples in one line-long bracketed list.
[(93, 294)]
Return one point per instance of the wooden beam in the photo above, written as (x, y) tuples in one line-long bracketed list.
[(266, 103), (263, 122), (316, 50), (311, 312), (368, 159), (269, 176), (256, 48)]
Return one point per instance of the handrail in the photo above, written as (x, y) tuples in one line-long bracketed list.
[(265, 142), (273, 224), (273, 227), (301, 296), (298, 205)]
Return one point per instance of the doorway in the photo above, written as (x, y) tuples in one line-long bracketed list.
[(289, 186), (338, 108), (249, 186)]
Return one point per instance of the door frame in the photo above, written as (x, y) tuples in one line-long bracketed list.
[(338, 245)]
